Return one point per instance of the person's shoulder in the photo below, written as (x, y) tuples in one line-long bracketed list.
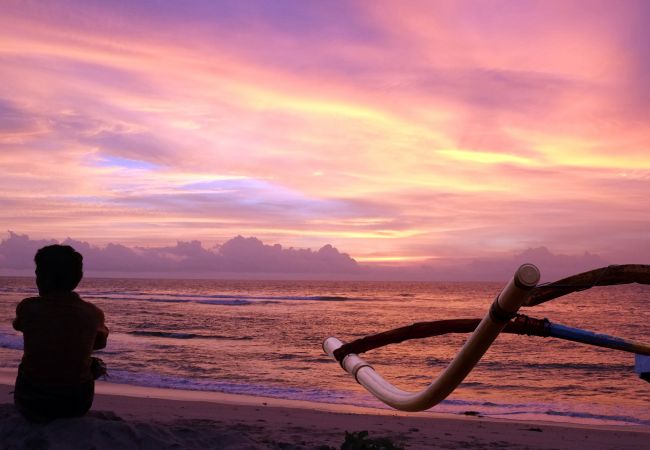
[(30, 301), (91, 306), (27, 303)]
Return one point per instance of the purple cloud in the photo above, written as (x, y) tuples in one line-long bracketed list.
[(552, 266), (17, 251), (15, 120), (238, 255), (250, 257)]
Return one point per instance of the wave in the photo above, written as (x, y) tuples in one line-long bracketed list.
[(510, 365), (537, 411), (328, 298), (11, 341), (180, 335), (151, 379), (520, 411), (22, 291), (164, 297), (231, 302), (596, 367), (217, 299), (598, 417), (228, 302)]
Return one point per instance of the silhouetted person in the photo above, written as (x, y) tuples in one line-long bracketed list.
[(56, 377)]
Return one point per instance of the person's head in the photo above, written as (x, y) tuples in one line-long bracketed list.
[(59, 268)]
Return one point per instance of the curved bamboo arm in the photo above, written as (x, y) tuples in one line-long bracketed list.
[(521, 324), (605, 276), (504, 307)]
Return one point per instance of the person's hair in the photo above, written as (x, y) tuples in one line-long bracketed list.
[(58, 268)]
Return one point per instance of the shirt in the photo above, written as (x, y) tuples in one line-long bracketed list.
[(60, 332)]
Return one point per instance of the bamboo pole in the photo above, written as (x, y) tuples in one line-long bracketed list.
[(504, 307)]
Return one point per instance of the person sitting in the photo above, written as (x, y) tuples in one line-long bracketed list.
[(56, 377)]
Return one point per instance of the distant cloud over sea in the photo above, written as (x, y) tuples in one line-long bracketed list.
[(249, 257)]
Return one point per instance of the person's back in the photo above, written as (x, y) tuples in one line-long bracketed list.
[(60, 331)]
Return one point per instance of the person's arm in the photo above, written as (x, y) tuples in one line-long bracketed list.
[(102, 333), (18, 321)]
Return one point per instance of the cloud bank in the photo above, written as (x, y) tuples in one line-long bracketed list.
[(251, 258), (238, 255)]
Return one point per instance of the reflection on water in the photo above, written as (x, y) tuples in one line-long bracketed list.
[(264, 338)]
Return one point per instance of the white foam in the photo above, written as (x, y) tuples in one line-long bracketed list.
[(11, 340)]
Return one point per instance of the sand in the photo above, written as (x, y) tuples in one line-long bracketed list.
[(127, 417)]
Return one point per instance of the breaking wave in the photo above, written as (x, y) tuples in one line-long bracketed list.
[(178, 335)]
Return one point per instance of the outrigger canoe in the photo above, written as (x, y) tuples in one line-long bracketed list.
[(502, 316)]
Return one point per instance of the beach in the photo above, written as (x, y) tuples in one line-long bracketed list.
[(129, 417), (264, 339), (238, 365)]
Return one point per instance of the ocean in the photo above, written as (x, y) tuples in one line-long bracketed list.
[(264, 338)]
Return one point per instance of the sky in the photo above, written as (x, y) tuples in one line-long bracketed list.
[(420, 133)]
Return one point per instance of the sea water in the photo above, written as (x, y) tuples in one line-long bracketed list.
[(264, 338)]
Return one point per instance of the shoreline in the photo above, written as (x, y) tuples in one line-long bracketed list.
[(125, 416), (107, 388)]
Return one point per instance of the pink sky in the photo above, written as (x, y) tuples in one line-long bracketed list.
[(398, 132)]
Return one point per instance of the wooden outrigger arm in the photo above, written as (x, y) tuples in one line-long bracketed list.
[(520, 291), (605, 276), (504, 307), (521, 324)]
